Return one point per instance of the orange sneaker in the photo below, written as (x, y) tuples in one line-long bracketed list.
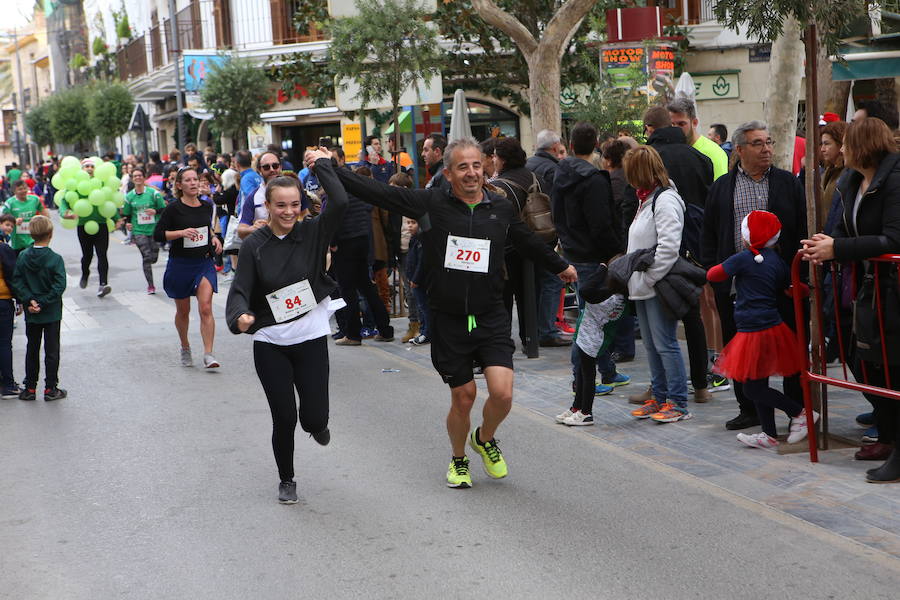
[(669, 413), (649, 407)]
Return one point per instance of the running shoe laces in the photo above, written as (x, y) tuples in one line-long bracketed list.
[(492, 450), (461, 466)]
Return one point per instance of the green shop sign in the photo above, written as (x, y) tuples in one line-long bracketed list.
[(718, 85)]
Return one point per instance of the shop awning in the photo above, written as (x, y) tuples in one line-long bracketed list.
[(867, 65), (405, 123)]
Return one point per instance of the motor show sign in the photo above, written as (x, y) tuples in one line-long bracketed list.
[(619, 61)]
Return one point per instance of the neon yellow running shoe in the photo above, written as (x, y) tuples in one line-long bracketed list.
[(491, 458), (458, 473)]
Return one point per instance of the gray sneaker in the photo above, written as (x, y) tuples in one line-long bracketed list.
[(287, 492), (186, 360), (210, 362)]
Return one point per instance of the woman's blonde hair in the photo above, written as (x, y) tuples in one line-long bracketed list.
[(644, 169)]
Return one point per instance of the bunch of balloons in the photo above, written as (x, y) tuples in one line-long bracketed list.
[(84, 193)]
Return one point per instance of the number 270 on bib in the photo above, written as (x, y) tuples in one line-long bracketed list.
[(467, 254)]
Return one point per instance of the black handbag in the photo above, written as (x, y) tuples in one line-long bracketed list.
[(866, 330)]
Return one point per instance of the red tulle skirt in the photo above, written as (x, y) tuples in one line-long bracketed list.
[(761, 354)]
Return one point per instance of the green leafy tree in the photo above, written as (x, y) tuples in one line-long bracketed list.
[(37, 122), (387, 48), (613, 109), (110, 106), (235, 93), (68, 116)]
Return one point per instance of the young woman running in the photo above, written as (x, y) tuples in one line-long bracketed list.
[(282, 297), (187, 224)]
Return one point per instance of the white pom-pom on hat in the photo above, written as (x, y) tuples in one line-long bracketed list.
[(760, 229)]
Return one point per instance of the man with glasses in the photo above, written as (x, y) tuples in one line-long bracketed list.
[(253, 207), (753, 184)]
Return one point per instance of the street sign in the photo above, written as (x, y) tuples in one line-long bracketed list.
[(352, 136), (717, 86)]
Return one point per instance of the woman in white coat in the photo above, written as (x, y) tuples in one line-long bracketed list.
[(658, 223)]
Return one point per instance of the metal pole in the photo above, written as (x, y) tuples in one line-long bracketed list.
[(21, 104), (179, 101)]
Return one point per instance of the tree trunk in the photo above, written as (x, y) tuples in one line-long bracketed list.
[(785, 76), (543, 92)]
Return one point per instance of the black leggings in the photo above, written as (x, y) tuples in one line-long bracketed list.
[(89, 243), (351, 266), (585, 382), (280, 370), (767, 400), (698, 358)]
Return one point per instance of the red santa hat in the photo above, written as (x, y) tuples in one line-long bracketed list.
[(760, 229)]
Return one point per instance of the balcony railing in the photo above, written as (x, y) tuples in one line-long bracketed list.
[(156, 49), (283, 30), (132, 59), (697, 11)]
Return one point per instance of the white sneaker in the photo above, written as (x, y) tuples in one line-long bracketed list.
[(186, 360), (758, 440), (579, 419), (799, 430), (561, 417), (210, 362)]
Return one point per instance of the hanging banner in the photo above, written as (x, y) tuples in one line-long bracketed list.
[(619, 61), (352, 136)]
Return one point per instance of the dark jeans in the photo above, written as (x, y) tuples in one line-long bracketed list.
[(281, 370), (886, 411), (623, 344), (514, 289), (98, 242), (767, 400), (50, 334), (725, 308), (351, 266), (695, 336), (548, 288), (421, 301), (605, 365), (7, 318)]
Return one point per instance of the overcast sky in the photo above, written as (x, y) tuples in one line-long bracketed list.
[(20, 14)]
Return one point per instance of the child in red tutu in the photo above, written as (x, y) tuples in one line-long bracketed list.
[(764, 345)]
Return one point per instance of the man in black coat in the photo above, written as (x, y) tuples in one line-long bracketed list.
[(753, 184), (548, 148)]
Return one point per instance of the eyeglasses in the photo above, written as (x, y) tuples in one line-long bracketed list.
[(759, 144), (270, 166)]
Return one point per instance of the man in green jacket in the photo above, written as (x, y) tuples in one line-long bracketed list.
[(39, 281)]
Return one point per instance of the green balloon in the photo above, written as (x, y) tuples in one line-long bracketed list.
[(95, 197), (105, 171), (82, 175), (82, 208), (84, 187), (111, 225), (91, 227), (96, 183), (106, 194), (119, 199), (58, 181), (72, 184), (72, 198), (69, 223), (59, 197), (113, 182), (69, 162), (108, 209)]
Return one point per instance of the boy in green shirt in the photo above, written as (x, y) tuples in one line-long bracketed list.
[(23, 206), (141, 210), (39, 281)]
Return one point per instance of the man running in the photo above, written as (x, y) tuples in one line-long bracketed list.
[(464, 230)]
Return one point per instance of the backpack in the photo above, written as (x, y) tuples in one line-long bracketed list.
[(536, 212), (691, 233)]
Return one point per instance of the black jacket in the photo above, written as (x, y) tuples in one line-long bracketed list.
[(357, 220), (440, 214), (877, 229), (678, 292), (786, 199), (586, 216), (690, 169), (543, 164), (268, 263)]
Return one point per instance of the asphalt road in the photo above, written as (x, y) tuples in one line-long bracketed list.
[(157, 481)]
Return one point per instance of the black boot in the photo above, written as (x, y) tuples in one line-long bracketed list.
[(889, 472)]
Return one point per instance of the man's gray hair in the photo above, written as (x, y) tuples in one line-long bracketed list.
[(739, 137), (683, 106), (460, 143), (546, 139)]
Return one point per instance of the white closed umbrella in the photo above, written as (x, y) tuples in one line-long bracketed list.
[(459, 118), (685, 87)]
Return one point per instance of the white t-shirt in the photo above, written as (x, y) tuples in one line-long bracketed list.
[(309, 327), (260, 212)]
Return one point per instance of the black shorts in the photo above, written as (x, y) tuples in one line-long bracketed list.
[(454, 349)]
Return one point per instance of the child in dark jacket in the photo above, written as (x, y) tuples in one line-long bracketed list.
[(415, 273), (39, 282), (8, 308)]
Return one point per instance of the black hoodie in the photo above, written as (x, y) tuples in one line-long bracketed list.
[(690, 169), (584, 211)]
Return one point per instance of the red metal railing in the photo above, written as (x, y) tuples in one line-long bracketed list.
[(808, 377)]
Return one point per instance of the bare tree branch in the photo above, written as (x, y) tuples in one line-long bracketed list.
[(561, 27), (507, 23)]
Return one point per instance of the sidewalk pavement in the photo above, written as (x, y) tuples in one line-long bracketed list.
[(832, 494)]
